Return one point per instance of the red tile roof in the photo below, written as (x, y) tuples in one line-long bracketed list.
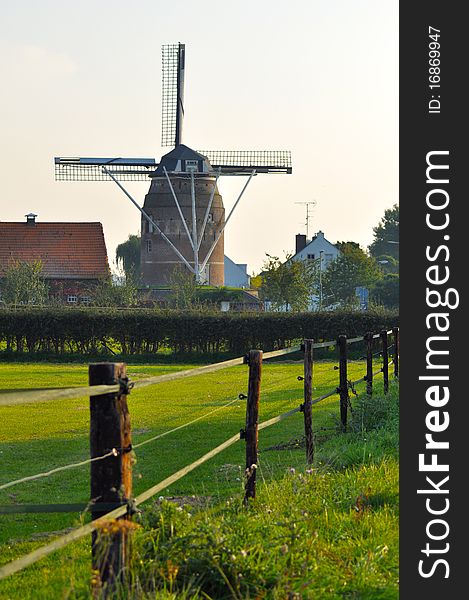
[(67, 250)]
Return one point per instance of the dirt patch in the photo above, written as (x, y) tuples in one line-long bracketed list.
[(294, 444), (192, 501), (299, 443), (141, 430), (43, 535), (138, 375)]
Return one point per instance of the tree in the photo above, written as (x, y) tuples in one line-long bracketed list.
[(183, 287), (346, 245), (388, 263), (107, 293), (289, 284), (386, 291), (256, 281), (353, 268), (128, 257), (386, 233), (23, 283)]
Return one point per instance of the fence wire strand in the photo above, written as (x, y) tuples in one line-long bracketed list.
[(57, 470), (31, 396), (165, 433)]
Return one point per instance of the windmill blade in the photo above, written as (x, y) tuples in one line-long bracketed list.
[(172, 110), (242, 162), (91, 169)]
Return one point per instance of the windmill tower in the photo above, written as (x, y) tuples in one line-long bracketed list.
[(188, 208), (183, 217)]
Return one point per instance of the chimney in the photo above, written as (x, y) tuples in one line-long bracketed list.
[(31, 219), (300, 242)]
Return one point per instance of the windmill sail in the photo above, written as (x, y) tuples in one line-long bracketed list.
[(227, 162), (91, 169), (240, 162), (172, 113)]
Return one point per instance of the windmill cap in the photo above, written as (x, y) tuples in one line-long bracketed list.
[(183, 159)]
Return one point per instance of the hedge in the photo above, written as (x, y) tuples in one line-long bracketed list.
[(141, 331)]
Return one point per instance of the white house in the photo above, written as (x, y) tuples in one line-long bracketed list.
[(318, 248)]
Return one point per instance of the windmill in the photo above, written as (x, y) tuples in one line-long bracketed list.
[(183, 217)]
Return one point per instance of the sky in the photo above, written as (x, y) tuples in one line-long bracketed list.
[(317, 77)]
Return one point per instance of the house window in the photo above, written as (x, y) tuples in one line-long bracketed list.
[(328, 258), (210, 218), (148, 245), (72, 299), (85, 299), (311, 256), (191, 165)]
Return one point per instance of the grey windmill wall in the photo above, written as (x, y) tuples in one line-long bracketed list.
[(158, 263)]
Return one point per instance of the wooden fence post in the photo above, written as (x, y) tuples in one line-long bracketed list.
[(308, 397), (369, 363), (384, 341), (343, 383), (254, 360), (395, 331), (111, 477)]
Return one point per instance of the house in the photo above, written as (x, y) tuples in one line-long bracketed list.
[(318, 248), (236, 274), (73, 255)]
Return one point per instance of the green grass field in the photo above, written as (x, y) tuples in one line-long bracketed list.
[(36, 438)]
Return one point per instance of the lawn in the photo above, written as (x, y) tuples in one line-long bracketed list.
[(36, 438)]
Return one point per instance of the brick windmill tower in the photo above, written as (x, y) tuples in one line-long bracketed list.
[(183, 217), (185, 203)]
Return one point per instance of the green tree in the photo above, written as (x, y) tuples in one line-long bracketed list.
[(386, 291), (347, 246), (385, 233), (351, 269), (24, 283), (128, 257), (111, 294), (289, 284), (183, 288), (256, 281), (388, 263)]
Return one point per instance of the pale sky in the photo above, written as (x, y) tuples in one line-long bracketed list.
[(317, 77)]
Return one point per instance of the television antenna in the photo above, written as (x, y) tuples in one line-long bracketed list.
[(182, 163), (309, 211)]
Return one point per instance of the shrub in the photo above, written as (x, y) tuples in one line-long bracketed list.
[(138, 331)]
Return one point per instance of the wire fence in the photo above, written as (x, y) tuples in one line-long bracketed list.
[(110, 396)]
